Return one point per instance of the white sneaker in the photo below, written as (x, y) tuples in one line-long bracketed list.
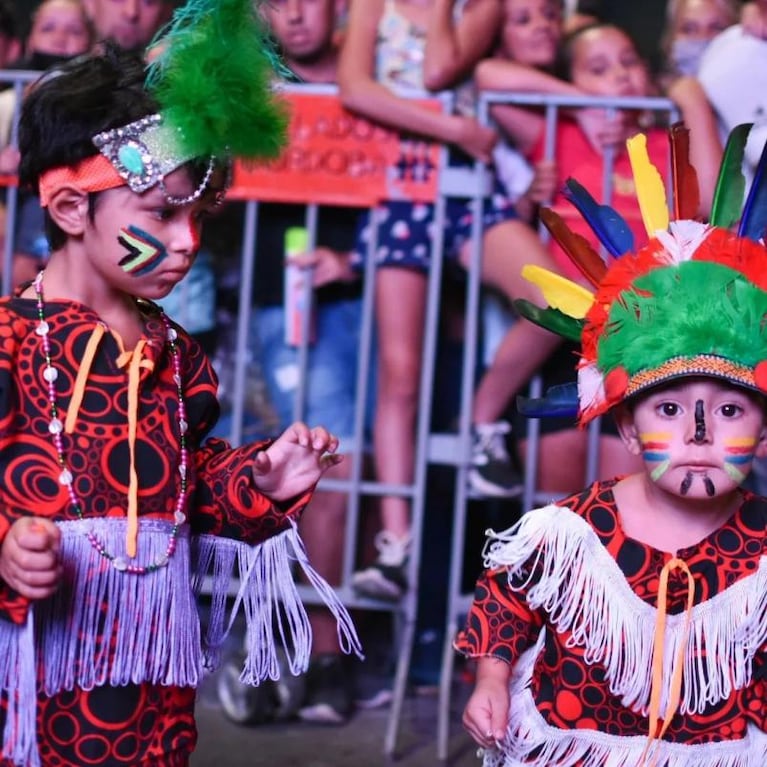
[(385, 578), (492, 471)]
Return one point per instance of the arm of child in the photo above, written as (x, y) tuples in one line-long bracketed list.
[(705, 145), (295, 461), (487, 711), (454, 47), (523, 125), (30, 557), (362, 93)]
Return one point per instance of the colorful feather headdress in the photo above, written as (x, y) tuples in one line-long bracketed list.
[(693, 301), (212, 78)]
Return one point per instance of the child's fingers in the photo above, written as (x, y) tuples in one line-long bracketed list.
[(330, 459), (261, 463), (38, 534), (300, 434)]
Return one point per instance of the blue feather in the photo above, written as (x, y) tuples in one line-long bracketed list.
[(611, 228), (559, 401), (754, 218)]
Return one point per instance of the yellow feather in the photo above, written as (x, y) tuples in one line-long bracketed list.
[(651, 192), (560, 293)]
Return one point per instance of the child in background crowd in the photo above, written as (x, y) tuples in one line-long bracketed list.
[(434, 45), (115, 507), (691, 26), (627, 624)]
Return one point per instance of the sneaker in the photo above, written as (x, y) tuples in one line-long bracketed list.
[(385, 578), (492, 471), (329, 696)]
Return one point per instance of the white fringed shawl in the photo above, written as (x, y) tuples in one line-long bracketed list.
[(557, 560)]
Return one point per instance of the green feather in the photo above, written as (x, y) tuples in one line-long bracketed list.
[(550, 319), (213, 81), (692, 308), (731, 183)]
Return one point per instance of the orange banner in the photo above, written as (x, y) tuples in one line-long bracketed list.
[(334, 157)]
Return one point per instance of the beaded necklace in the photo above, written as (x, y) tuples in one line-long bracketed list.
[(56, 428)]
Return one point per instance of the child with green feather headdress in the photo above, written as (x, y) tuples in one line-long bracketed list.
[(627, 624), (116, 506)]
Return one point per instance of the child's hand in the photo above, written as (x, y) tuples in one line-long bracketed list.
[(295, 461), (30, 557), (328, 265), (475, 139), (544, 184), (487, 712)]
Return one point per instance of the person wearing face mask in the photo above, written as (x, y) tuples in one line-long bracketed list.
[(691, 26), (59, 31)]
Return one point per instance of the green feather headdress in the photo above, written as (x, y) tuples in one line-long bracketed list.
[(212, 77), (692, 302), (213, 80)]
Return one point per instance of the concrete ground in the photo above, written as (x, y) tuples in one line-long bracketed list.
[(360, 742), (357, 743)]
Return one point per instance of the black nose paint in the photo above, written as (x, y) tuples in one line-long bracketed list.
[(700, 422)]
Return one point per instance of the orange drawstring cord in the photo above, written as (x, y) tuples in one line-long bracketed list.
[(675, 686), (135, 362), (82, 376)]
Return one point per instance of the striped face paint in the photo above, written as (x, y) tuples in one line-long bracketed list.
[(738, 452), (655, 450), (145, 252)]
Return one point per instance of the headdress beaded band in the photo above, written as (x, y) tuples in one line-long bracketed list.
[(56, 429)]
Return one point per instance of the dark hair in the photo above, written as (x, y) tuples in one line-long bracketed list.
[(69, 105), (563, 67), (8, 26)]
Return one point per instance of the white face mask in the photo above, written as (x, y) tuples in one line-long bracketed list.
[(686, 54)]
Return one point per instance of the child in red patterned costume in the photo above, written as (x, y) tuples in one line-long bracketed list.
[(626, 625), (114, 507)]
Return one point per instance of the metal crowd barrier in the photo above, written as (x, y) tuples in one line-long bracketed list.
[(452, 449)]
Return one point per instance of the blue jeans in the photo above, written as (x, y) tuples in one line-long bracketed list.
[(332, 366)]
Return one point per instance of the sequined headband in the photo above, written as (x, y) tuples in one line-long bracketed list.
[(138, 155)]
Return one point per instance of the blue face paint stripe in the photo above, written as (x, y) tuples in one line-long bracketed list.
[(650, 456), (740, 458)]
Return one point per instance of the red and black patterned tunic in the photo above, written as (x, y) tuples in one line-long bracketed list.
[(575, 598), (131, 724)]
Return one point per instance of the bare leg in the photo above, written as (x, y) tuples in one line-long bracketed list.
[(400, 312), (507, 248)]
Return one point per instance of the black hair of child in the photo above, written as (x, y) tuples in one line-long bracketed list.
[(68, 106)]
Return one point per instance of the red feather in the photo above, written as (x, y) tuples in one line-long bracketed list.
[(577, 248), (684, 177)]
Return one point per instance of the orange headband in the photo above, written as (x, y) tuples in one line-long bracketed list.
[(93, 174)]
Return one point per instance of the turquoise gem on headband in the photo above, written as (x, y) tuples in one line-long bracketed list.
[(130, 158)]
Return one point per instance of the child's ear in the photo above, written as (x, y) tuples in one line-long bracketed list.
[(68, 207), (624, 420)]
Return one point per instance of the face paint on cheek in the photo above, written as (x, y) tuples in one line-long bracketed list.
[(194, 231), (655, 450), (145, 252), (738, 451)]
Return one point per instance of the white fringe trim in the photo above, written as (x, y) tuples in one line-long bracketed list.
[(267, 594), (582, 590), (528, 731), (104, 626)]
